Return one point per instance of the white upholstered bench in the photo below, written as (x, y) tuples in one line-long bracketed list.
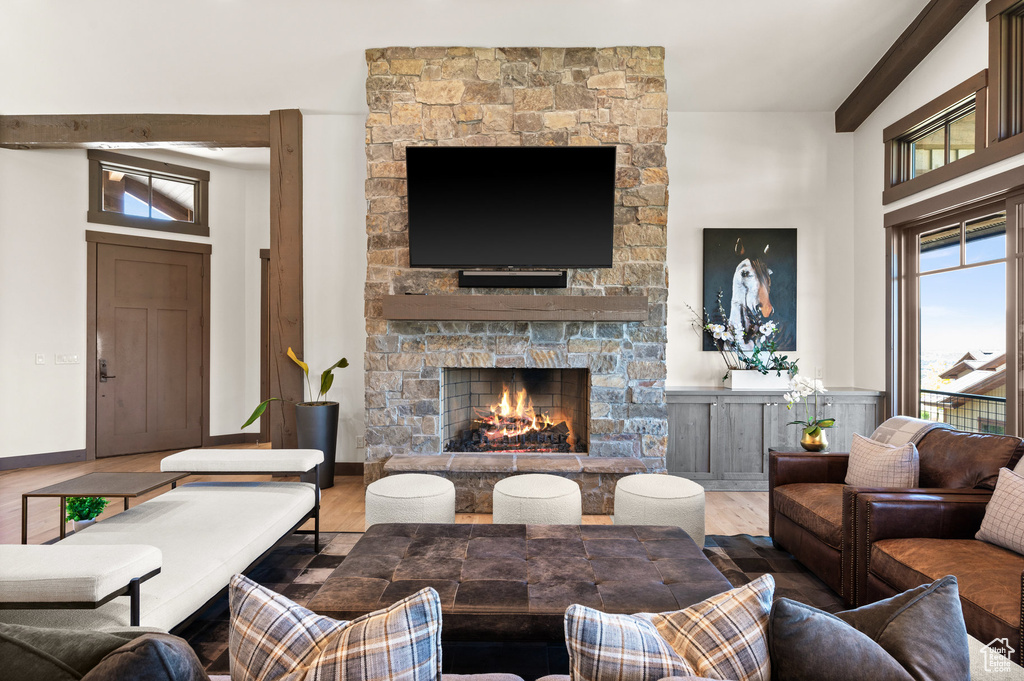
[(65, 576), (658, 499), (300, 462)]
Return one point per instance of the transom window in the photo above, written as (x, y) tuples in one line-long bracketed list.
[(137, 192), (943, 139)]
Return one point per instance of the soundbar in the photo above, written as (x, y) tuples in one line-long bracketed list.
[(512, 279)]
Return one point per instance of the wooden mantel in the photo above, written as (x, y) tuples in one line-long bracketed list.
[(511, 308)]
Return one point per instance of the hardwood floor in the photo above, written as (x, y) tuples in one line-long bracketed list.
[(341, 511)]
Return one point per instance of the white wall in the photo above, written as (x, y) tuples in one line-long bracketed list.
[(963, 53), (763, 170), (334, 262), (43, 202)]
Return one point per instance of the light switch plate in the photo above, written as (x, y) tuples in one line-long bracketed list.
[(360, 442), (65, 359), (40, 358)]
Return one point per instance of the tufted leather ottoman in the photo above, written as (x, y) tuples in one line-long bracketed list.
[(514, 582)]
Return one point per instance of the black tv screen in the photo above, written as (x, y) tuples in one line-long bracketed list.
[(500, 207)]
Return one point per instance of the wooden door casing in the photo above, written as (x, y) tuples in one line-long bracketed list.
[(149, 330)]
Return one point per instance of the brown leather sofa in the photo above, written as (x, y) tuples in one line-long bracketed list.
[(905, 540), (812, 513)]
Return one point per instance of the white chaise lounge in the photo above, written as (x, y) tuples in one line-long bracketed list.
[(205, 532)]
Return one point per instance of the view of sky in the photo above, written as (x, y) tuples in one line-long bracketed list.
[(964, 309)]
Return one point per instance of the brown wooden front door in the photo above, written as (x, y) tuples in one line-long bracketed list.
[(149, 306)]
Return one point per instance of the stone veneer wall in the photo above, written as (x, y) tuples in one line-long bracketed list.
[(460, 96)]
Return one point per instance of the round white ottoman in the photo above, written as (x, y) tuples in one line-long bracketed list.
[(410, 498), (537, 499), (651, 499)]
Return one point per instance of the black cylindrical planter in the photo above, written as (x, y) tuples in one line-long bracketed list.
[(318, 429)]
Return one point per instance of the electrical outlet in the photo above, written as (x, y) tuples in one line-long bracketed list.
[(360, 442), (819, 372), (40, 358), (65, 359)]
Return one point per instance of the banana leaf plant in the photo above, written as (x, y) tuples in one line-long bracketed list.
[(326, 381)]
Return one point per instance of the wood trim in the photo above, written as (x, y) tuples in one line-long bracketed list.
[(342, 468), (979, 159), (961, 197), (205, 323), (264, 340), (231, 439), (516, 308), (286, 328), (1011, 410), (954, 95), (97, 131), (146, 242), (93, 240), (934, 22), (993, 8), (148, 164), (90, 346), (9, 463), (995, 77), (103, 217)]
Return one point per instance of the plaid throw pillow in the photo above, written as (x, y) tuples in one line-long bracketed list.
[(1003, 524), (875, 464), (724, 637), (273, 639)]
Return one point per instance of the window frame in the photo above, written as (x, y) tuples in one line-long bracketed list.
[(1006, 66), (946, 107), (1002, 192), (201, 178)]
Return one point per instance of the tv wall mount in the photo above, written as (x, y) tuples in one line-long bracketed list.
[(513, 278)]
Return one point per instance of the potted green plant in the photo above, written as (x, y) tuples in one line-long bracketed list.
[(82, 511), (316, 420), (813, 437)]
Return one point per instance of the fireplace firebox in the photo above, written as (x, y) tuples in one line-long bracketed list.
[(515, 410)]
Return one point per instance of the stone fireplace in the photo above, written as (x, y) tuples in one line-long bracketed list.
[(613, 370), (515, 411)]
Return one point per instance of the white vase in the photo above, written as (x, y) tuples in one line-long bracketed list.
[(748, 379), (79, 525)]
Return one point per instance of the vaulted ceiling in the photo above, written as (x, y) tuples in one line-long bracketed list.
[(241, 56)]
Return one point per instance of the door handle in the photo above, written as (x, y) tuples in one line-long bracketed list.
[(103, 371)]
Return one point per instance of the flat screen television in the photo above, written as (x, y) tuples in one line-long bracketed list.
[(511, 207)]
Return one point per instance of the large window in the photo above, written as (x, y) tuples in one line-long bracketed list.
[(137, 192), (953, 318)]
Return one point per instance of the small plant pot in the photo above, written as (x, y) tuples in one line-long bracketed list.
[(317, 425), (79, 525)]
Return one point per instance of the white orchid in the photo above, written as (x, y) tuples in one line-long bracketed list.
[(800, 388)]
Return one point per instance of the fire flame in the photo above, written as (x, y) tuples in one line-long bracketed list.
[(505, 419)]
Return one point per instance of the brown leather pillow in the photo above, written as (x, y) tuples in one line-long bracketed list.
[(150, 657), (918, 635), (953, 459)]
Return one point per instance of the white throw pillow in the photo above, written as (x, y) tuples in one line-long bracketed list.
[(874, 464), (1003, 524)]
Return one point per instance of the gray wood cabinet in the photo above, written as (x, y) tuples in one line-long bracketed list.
[(720, 438)]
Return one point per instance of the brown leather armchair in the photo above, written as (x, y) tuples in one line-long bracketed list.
[(905, 540), (812, 513)]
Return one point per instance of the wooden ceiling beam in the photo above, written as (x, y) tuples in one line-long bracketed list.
[(934, 22), (133, 131)]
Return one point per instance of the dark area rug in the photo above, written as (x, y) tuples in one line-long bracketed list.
[(294, 570), (742, 558)]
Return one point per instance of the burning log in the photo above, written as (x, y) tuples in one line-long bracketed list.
[(509, 428)]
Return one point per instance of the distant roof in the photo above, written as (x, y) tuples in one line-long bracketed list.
[(973, 361)]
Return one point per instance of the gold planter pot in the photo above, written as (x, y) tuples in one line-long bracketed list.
[(814, 443)]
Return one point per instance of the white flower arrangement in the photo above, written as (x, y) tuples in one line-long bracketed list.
[(801, 388)]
